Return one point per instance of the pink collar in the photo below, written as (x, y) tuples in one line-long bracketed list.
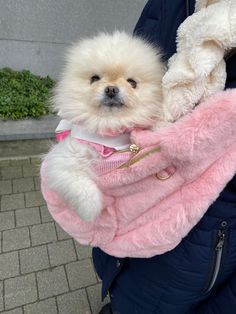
[(105, 144), (104, 151)]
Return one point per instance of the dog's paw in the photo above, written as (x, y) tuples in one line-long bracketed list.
[(90, 207)]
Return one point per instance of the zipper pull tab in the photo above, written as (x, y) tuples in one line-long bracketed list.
[(220, 243), (134, 148)]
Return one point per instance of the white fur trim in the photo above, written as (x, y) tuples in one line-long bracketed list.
[(197, 70)]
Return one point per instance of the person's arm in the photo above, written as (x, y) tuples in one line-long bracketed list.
[(160, 20), (139, 26)]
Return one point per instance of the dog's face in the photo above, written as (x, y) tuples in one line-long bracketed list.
[(111, 82)]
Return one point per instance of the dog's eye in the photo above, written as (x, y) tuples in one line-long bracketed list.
[(94, 78), (132, 82)]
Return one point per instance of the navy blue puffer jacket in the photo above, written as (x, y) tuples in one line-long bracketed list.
[(199, 275)]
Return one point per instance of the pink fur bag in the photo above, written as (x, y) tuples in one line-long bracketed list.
[(145, 216)]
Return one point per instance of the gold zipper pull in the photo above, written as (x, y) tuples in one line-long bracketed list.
[(134, 148)]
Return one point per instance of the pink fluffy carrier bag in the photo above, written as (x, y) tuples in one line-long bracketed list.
[(147, 210)]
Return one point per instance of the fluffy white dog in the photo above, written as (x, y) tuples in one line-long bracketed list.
[(111, 83)]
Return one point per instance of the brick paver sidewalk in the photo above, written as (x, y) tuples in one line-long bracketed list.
[(42, 270)]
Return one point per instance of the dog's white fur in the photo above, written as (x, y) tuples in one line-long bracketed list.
[(115, 58)]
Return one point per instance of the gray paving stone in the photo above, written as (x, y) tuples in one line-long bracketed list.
[(1, 295), (20, 291), (34, 198), (30, 170), (17, 162), (52, 282), (15, 311), (43, 233), (13, 201), (9, 265), (5, 187), (34, 259), (83, 251), (15, 239), (27, 216), (73, 303), (23, 185), (0, 242), (95, 298), (45, 215), (61, 252), (61, 234), (22, 147), (12, 172), (35, 160), (7, 220), (42, 307), (37, 183), (4, 162), (80, 274)]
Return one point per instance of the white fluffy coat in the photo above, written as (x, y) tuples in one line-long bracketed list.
[(197, 70)]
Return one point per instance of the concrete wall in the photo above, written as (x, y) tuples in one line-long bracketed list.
[(35, 33)]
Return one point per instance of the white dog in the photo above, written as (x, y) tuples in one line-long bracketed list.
[(111, 84)]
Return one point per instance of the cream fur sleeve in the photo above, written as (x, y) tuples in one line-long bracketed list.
[(197, 70)]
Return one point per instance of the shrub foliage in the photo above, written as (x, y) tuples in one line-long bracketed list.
[(23, 94)]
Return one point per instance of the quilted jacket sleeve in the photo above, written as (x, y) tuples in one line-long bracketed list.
[(223, 301)]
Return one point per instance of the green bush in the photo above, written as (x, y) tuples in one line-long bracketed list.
[(23, 94)]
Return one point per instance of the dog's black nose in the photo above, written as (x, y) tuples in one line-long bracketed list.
[(111, 91)]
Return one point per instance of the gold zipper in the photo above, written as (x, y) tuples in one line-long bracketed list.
[(133, 148), (126, 150), (138, 158)]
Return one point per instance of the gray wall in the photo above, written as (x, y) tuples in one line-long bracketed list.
[(35, 33)]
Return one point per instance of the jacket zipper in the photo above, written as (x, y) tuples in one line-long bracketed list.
[(219, 249)]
